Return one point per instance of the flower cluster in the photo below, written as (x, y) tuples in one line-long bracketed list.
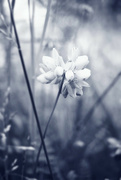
[(53, 68)]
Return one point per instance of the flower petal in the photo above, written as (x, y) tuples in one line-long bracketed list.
[(83, 74), (80, 83), (55, 56), (58, 71), (84, 83), (44, 67), (49, 62), (73, 55), (64, 91), (71, 90), (49, 75), (70, 65), (56, 80), (81, 62), (42, 70), (42, 79), (61, 62), (58, 59)]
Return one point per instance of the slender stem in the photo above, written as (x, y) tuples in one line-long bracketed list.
[(32, 29), (48, 122), (44, 30), (5, 147), (5, 162), (29, 89), (23, 165), (31, 20), (89, 114)]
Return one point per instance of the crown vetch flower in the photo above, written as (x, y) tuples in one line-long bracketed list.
[(75, 75), (53, 69)]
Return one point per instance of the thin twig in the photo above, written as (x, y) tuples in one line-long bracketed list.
[(31, 19), (89, 114), (44, 29), (32, 29), (109, 120), (29, 89), (23, 165), (48, 122), (12, 6)]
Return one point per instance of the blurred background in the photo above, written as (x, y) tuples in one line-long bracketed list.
[(84, 136)]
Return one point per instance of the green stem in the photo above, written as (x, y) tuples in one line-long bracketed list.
[(29, 89), (48, 122)]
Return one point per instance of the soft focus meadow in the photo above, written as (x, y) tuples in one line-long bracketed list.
[(45, 135)]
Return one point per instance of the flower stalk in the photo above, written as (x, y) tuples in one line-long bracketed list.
[(89, 114), (39, 54), (29, 89), (48, 122)]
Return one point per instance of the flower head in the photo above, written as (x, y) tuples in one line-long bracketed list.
[(52, 68), (75, 72), (75, 75)]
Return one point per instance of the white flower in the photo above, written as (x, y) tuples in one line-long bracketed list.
[(52, 68), (75, 75)]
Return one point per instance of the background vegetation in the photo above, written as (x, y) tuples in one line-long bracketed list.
[(83, 139)]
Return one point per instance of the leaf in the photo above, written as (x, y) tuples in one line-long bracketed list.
[(115, 146), (2, 17), (113, 143), (3, 32), (14, 162), (8, 38), (79, 143), (3, 139), (7, 129), (24, 148), (6, 35), (7, 93), (85, 7), (14, 168), (1, 117)]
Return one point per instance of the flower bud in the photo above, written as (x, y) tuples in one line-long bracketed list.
[(58, 71), (69, 75)]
